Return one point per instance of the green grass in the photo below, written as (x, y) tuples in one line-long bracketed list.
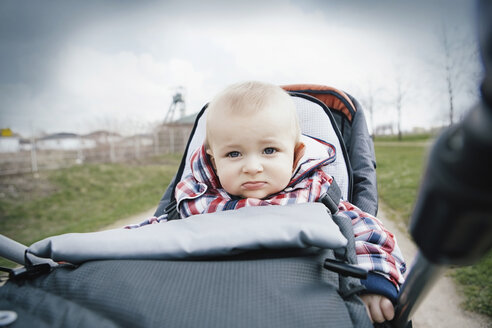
[(399, 171), (81, 198), (406, 137), (476, 283)]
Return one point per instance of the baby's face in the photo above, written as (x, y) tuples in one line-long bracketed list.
[(253, 156)]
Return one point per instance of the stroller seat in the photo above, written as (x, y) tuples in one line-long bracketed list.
[(325, 113)]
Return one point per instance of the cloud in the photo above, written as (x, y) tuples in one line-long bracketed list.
[(122, 85), (70, 64)]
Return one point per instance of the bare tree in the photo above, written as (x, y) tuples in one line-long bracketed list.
[(368, 99), (449, 71), (383, 100), (400, 94), (370, 108), (459, 65)]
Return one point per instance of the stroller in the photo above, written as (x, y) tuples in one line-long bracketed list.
[(303, 280), (216, 271)]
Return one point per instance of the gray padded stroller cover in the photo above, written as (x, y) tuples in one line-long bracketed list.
[(268, 282), (214, 234)]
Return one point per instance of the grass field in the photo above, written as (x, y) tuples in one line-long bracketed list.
[(81, 198), (399, 171)]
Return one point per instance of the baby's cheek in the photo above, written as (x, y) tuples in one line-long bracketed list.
[(227, 183)]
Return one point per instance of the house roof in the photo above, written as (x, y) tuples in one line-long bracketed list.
[(188, 119), (61, 135), (102, 133)]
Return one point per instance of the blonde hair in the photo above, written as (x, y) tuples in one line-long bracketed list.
[(249, 98)]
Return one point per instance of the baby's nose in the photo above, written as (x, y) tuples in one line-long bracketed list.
[(253, 165)]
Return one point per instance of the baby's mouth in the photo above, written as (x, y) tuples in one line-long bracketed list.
[(253, 185)]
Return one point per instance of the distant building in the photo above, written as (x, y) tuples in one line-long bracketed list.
[(64, 141), (103, 137), (25, 144), (384, 129), (172, 137), (9, 142), (185, 120), (138, 139)]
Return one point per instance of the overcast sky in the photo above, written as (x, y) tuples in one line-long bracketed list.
[(78, 66)]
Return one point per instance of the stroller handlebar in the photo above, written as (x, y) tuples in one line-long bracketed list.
[(451, 222)]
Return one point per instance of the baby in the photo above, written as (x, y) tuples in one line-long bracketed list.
[(255, 155)]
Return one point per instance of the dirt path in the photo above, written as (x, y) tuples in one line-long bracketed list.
[(131, 219), (441, 307)]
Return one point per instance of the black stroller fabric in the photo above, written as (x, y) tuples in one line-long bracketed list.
[(269, 291)]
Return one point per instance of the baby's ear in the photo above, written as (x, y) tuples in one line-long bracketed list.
[(212, 159), (298, 153)]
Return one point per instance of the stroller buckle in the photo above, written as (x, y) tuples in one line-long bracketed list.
[(345, 269), (27, 272)]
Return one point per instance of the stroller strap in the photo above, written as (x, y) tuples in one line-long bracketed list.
[(332, 197)]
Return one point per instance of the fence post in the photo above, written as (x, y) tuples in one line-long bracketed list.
[(156, 143), (171, 140), (137, 146), (185, 135), (34, 159), (112, 156), (80, 154)]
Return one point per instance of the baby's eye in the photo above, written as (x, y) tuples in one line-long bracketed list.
[(233, 154), (269, 151)]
